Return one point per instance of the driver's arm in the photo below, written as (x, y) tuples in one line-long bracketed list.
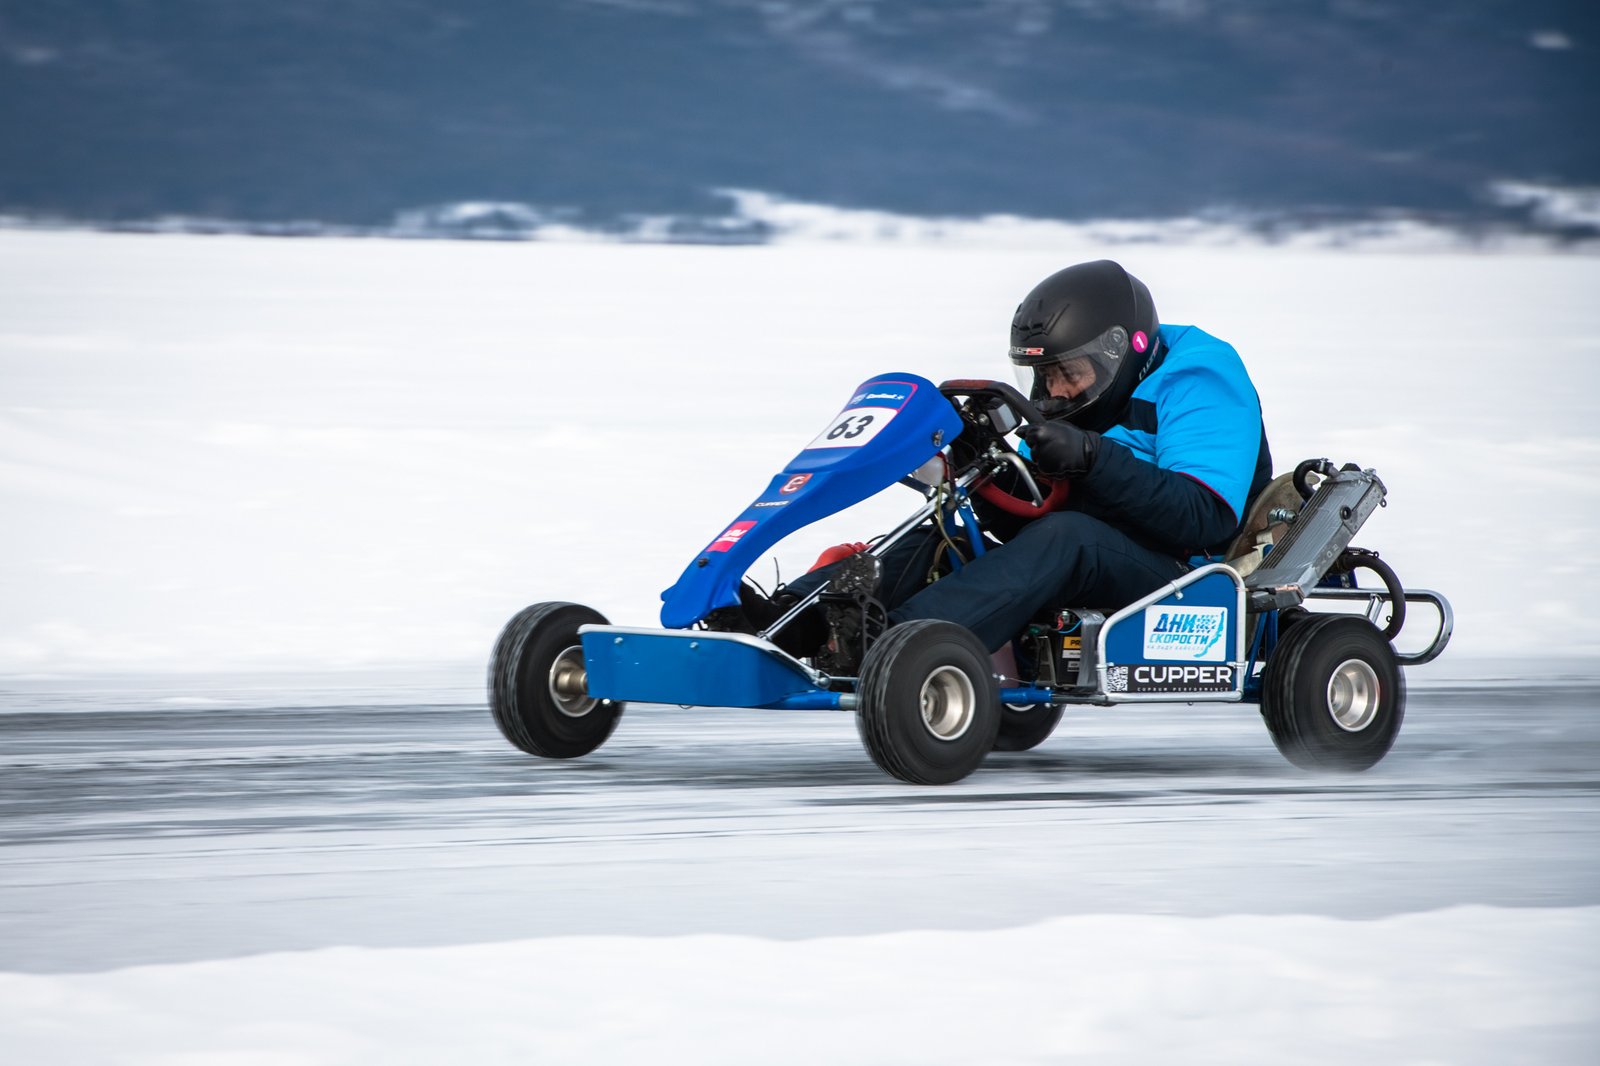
[(1177, 473), (1170, 511)]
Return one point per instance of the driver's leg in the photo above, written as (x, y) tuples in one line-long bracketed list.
[(1066, 559)]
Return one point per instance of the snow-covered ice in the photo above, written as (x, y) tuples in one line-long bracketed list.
[(1465, 986), (236, 452), (230, 454)]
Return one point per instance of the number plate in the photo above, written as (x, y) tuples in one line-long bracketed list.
[(853, 427)]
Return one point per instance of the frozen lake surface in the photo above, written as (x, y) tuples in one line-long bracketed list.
[(240, 454), (167, 832), (273, 459)]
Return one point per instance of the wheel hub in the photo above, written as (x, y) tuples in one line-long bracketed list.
[(1353, 695), (569, 684), (948, 702)]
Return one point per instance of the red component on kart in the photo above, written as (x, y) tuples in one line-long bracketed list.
[(835, 553), (1055, 497)]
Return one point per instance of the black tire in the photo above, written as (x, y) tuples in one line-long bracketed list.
[(1289, 617), (929, 707), (1025, 727), (538, 653), (1333, 694)]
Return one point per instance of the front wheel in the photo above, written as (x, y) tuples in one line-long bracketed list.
[(929, 707), (1024, 727), (537, 684), (1332, 694)]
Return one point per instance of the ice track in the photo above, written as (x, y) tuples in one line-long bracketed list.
[(161, 833)]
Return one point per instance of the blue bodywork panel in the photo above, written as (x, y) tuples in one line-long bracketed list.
[(893, 424), (694, 669), (1187, 641)]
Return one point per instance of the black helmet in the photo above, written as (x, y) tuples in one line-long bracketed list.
[(1089, 331)]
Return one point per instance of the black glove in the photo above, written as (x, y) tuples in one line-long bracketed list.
[(1061, 449)]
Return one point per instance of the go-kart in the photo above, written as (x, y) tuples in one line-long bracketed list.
[(1280, 621)]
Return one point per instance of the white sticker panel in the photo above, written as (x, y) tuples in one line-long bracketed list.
[(1188, 634), (853, 427)]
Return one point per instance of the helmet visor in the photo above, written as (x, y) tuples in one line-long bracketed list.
[(1073, 379)]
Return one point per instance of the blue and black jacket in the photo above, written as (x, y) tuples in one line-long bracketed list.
[(1189, 453)]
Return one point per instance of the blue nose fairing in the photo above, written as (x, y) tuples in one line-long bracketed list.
[(893, 424)]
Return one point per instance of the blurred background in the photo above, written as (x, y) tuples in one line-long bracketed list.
[(695, 119)]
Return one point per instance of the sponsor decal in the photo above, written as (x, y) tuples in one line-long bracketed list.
[(898, 399), (1188, 634), (795, 484), (770, 503), (1026, 352), (731, 536), (1187, 677)]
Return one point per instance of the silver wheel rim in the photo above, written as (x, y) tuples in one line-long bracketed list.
[(948, 702), (569, 683), (1353, 695)]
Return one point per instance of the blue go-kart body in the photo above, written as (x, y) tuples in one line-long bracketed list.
[(1207, 636)]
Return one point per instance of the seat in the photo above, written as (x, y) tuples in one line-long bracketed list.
[(1260, 530)]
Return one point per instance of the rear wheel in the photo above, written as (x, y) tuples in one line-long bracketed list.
[(929, 707), (537, 684), (1024, 727), (1333, 694)]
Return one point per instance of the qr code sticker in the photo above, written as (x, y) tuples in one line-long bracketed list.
[(1117, 679)]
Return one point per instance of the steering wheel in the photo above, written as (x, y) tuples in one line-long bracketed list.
[(1007, 409)]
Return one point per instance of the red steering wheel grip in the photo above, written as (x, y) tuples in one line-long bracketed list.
[(999, 497)]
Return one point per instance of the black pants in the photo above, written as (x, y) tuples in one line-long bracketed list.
[(1065, 559)]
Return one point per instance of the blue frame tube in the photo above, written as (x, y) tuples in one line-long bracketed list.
[(807, 701), (1025, 695), (1261, 642), (833, 701), (969, 520)]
